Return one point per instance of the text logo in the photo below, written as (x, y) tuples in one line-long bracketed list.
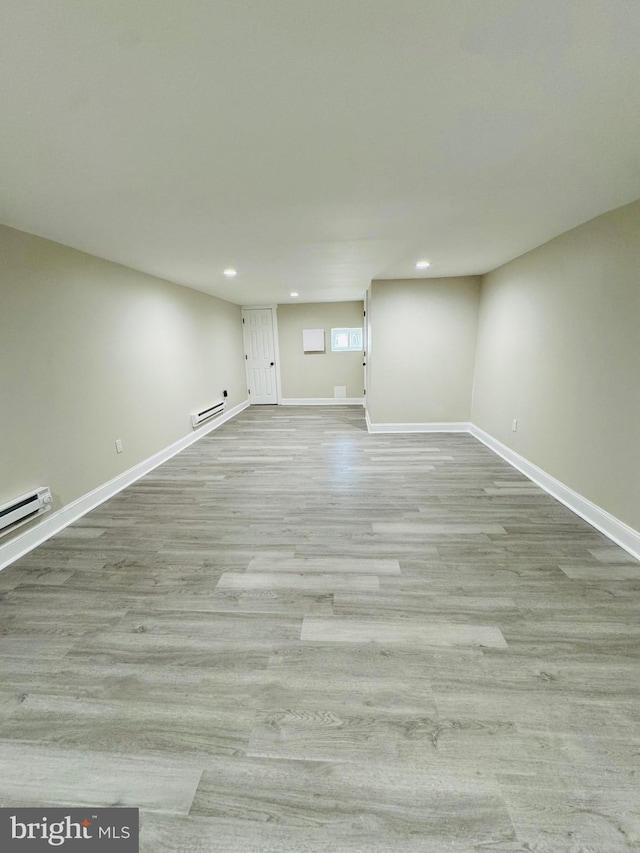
[(32, 830)]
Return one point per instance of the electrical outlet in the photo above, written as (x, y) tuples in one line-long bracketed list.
[(514, 425), (119, 447)]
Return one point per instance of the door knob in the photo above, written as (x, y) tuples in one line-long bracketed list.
[(272, 363)]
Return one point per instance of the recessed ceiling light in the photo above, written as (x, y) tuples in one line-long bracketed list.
[(293, 293), (230, 273), (422, 265)]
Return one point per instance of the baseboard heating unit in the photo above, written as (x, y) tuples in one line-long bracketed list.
[(24, 508), (198, 418)]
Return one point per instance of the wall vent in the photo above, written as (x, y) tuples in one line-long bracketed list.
[(200, 417), (24, 509)]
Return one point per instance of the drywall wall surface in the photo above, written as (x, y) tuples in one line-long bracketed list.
[(559, 351), (314, 375), (421, 349), (91, 352)]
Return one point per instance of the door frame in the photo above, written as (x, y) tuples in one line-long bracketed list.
[(276, 347), (366, 343)]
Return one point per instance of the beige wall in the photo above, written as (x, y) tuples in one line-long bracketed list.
[(420, 365), (559, 349), (314, 375), (90, 352)]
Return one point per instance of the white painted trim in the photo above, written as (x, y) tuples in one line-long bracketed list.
[(57, 521), (267, 305), (619, 532), (432, 427), (276, 353), (322, 401)]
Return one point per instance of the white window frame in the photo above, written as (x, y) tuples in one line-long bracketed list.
[(354, 334)]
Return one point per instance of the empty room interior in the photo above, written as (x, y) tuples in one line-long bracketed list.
[(320, 422)]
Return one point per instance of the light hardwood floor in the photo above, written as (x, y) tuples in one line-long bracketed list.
[(296, 636)]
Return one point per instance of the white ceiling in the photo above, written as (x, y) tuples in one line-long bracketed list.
[(315, 144)]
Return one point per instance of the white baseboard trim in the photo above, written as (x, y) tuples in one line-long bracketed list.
[(619, 532), (432, 427), (322, 401), (56, 521)]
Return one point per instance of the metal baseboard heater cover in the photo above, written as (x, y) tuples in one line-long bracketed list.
[(211, 411), (24, 509)]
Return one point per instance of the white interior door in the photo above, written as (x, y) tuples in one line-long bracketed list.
[(259, 349)]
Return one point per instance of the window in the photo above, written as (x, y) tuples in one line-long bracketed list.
[(346, 340)]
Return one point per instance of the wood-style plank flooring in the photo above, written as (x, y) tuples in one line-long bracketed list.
[(296, 636)]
